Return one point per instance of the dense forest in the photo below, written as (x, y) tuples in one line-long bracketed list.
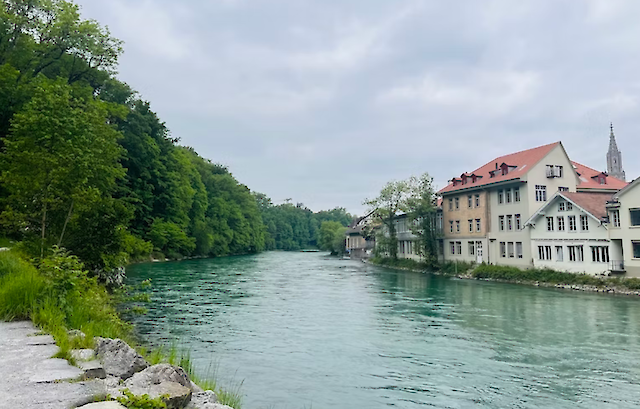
[(87, 165)]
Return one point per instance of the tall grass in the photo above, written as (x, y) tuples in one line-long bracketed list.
[(207, 380)]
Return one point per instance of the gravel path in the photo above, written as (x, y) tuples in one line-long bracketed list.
[(31, 379)]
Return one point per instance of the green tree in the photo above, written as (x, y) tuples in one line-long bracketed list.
[(392, 200), (421, 206), (61, 155), (331, 237)]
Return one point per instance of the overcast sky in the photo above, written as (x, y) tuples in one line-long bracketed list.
[(325, 101)]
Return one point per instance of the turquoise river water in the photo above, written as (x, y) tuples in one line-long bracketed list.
[(303, 330)]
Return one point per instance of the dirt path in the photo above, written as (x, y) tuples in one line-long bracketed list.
[(31, 379)]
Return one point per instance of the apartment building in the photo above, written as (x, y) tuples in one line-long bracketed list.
[(500, 196)]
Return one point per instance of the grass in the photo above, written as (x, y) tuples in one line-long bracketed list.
[(512, 274), (174, 355), (58, 296)]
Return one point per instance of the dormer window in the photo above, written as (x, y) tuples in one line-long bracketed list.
[(603, 180)]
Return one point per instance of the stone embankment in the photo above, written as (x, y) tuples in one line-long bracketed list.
[(607, 289), (33, 380)]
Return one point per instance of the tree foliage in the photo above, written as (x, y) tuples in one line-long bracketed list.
[(415, 197)]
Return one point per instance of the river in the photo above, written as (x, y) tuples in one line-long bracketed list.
[(304, 330)]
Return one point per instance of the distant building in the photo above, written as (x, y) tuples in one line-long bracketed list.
[(485, 210), (614, 158), (358, 244)]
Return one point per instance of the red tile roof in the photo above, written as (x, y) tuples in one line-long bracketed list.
[(523, 161), (594, 203), (589, 181)]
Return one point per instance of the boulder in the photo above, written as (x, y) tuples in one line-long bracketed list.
[(103, 405), (83, 354), (162, 380), (118, 358), (205, 400), (92, 370)]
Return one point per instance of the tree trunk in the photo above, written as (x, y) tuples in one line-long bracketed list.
[(66, 221), (44, 220)]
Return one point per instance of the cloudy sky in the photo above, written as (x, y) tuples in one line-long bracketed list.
[(324, 101)]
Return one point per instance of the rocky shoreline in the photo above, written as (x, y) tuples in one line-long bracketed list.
[(111, 370), (615, 290)]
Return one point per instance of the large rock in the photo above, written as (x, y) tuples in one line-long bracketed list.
[(103, 405), (118, 358), (163, 380), (205, 400)]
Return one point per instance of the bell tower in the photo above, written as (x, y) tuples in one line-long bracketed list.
[(614, 158)]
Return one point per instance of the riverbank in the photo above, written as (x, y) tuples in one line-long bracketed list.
[(58, 296), (514, 275)]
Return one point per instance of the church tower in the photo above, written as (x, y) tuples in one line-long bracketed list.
[(614, 158)]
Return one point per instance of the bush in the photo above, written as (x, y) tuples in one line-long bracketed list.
[(546, 275), (21, 287)]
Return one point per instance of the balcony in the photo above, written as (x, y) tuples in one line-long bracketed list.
[(617, 266)]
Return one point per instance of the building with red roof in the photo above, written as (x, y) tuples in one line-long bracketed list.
[(485, 210)]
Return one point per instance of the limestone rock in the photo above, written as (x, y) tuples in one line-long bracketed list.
[(118, 358), (103, 405), (205, 400), (76, 333), (163, 380), (83, 354), (92, 370)]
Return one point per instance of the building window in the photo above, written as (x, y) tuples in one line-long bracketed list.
[(603, 181), (600, 254), (518, 222), (562, 206), (507, 195), (550, 224), (636, 249), (560, 223), (450, 204), (451, 225), (635, 217), (500, 196), (584, 223), (559, 253), (569, 206), (478, 225), (457, 199), (572, 223), (559, 171), (503, 249), (563, 189), (544, 252), (576, 253), (459, 247), (501, 218), (541, 193), (477, 200), (472, 249), (510, 222), (516, 194), (453, 247), (615, 218), (470, 225), (457, 226), (510, 250), (470, 201), (519, 249)]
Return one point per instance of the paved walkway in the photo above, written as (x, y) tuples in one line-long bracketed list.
[(31, 379)]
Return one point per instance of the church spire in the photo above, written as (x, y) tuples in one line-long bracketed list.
[(614, 158)]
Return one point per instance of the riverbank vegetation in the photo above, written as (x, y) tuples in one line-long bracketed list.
[(415, 199), (509, 273), (87, 165), (59, 295)]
